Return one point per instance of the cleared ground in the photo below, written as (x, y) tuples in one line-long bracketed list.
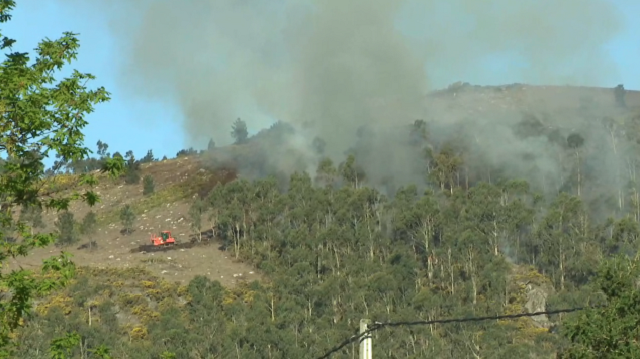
[(162, 211)]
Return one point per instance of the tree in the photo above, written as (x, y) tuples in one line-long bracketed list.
[(148, 185), (88, 226), (351, 172), (444, 168), (239, 131), (61, 348), (148, 157), (326, 173), (132, 174), (186, 152), (575, 141), (33, 216), (127, 217), (39, 115), (211, 145), (319, 145), (612, 331), (196, 211), (619, 92), (67, 229), (102, 149)]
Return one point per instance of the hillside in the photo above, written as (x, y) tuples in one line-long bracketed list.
[(177, 181), (499, 200)]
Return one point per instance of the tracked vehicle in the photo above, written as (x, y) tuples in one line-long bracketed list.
[(166, 242)]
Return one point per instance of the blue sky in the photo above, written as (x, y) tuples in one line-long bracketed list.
[(160, 126), (34, 20)]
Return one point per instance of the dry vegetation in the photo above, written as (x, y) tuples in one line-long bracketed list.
[(177, 182)]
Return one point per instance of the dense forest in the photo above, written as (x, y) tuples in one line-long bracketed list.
[(336, 249)]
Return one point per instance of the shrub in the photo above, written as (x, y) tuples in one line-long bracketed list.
[(148, 185), (127, 217), (132, 176), (67, 229)]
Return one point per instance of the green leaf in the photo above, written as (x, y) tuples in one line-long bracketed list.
[(114, 166), (91, 198), (40, 115), (61, 347), (88, 179), (102, 352)]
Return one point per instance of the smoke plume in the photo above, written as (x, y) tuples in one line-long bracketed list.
[(340, 64), (331, 67)]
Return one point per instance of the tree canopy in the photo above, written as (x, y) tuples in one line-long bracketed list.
[(40, 115)]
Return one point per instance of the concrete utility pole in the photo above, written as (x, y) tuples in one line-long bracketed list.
[(365, 341)]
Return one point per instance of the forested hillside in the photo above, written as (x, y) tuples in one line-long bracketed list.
[(477, 201), (336, 247)]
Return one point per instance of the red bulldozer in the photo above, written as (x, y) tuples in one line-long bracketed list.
[(163, 239)]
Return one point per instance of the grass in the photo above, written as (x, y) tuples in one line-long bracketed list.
[(194, 184), (153, 260), (171, 194), (157, 199), (67, 181), (59, 183)]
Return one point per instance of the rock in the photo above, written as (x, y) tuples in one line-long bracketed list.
[(534, 290), (537, 302)]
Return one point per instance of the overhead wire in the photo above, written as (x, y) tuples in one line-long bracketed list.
[(379, 325)]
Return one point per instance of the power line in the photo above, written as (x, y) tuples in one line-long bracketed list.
[(378, 325)]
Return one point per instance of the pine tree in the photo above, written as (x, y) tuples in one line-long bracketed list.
[(239, 131), (67, 229), (148, 157), (148, 184), (127, 217), (88, 226), (32, 214)]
